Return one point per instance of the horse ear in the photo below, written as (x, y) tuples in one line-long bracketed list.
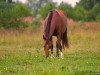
[(44, 37)]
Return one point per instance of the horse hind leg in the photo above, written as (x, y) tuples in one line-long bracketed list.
[(59, 47), (61, 54)]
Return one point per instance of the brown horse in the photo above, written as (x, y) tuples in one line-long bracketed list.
[(55, 25)]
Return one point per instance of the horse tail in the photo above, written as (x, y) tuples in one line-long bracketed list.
[(65, 39)]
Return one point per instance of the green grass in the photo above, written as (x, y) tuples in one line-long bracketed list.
[(23, 54)]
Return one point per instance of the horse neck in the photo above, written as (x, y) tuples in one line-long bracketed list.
[(48, 25)]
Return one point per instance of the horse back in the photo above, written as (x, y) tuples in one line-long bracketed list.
[(58, 22)]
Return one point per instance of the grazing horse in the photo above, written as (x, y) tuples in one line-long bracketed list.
[(55, 24)]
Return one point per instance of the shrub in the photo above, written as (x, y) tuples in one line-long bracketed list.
[(36, 23), (80, 13), (96, 11), (68, 10), (11, 14), (43, 11), (93, 14), (98, 17)]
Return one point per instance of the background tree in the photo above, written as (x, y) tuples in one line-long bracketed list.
[(88, 4), (92, 9), (2, 0), (80, 13), (43, 11), (96, 12), (9, 1), (68, 9), (11, 14), (35, 5)]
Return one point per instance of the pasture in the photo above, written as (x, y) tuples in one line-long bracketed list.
[(23, 54)]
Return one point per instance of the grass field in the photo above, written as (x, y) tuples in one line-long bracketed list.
[(22, 53)]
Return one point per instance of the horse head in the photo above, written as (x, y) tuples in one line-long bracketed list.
[(47, 45)]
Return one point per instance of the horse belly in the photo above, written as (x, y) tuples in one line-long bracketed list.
[(55, 33)]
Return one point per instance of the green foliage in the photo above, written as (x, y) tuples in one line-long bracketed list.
[(89, 10), (21, 10), (96, 11), (14, 11), (80, 13), (89, 16), (17, 24), (11, 14), (37, 4), (88, 4), (9, 1), (43, 11), (68, 10), (98, 17), (2, 0), (93, 14), (35, 24)]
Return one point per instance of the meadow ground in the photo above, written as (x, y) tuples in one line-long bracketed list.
[(22, 53)]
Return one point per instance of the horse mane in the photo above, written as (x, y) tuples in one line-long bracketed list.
[(47, 30), (61, 12)]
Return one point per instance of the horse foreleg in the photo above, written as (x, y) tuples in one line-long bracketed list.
[(61, 54), (52, 51), (57, 50)]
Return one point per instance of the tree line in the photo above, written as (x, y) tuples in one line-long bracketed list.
[(85, 10), (12, 12)]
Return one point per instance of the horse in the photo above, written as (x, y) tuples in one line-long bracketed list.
[(55, 24)]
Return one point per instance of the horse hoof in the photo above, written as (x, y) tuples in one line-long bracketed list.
[(61, 55), (52, 56)]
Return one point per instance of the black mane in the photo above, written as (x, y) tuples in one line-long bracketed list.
[(47, 30)]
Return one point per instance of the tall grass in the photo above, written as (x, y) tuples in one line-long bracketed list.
[(22, 54)]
